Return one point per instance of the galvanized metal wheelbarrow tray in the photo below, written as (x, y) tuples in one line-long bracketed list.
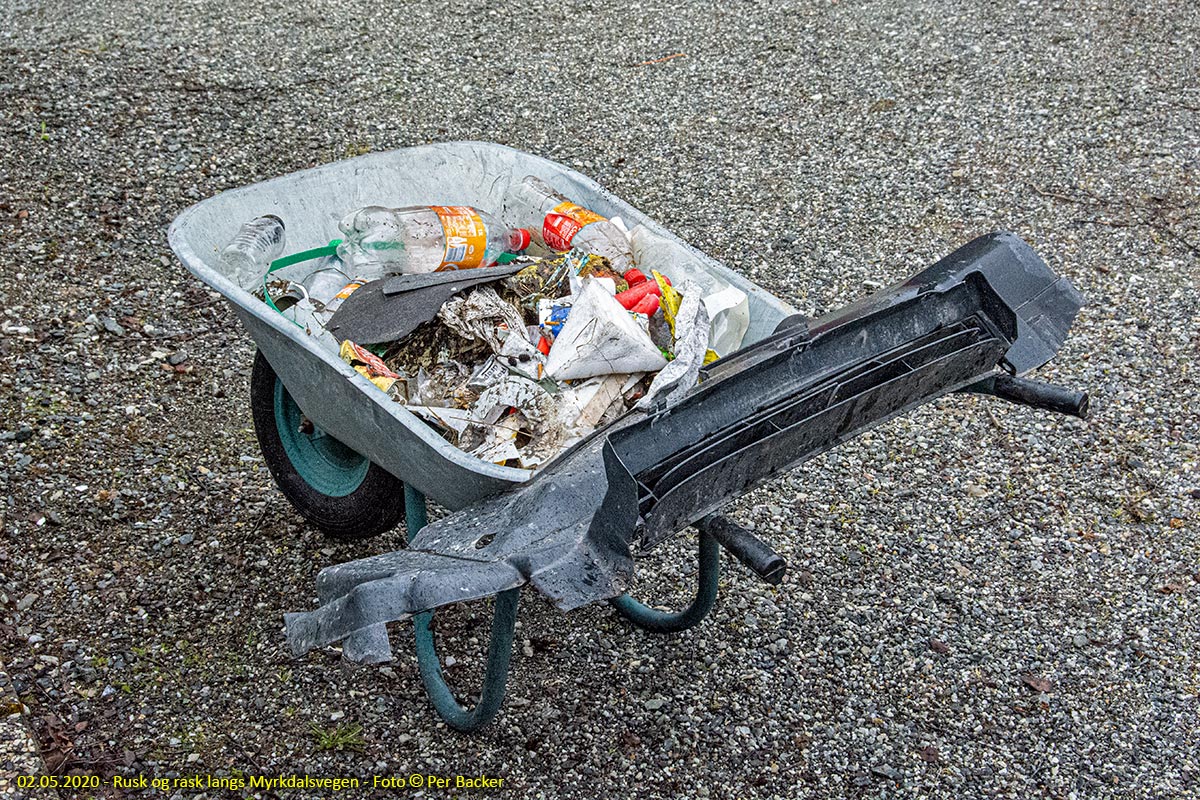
[(975, 321)]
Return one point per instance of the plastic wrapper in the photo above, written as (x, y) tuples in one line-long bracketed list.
[(500, 442), (445, 384), (452, 419), (729, 311), (372, 368), (521, 355), (547, 279), (601, 338), (691, 343), (494, 433)]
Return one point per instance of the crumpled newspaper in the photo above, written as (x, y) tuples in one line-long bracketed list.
[(601, 338), (480, 314)]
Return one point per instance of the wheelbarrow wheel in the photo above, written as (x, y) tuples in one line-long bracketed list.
[(333, 487)]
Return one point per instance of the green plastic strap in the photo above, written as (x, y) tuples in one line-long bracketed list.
[(305, 255), (295, 258)]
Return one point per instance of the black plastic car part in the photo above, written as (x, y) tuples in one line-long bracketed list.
[(974, 321)]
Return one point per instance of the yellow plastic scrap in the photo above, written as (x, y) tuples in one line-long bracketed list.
[(670, 299), (369, 365)]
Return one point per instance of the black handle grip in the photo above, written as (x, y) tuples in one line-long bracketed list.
[(745, 547), (1036, 394)]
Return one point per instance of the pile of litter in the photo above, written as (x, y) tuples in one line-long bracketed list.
[(513, 335)]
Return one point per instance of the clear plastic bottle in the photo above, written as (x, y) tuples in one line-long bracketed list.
[(248, 255), (323, 291), (421, 239), (562, 225), (313, 314), (330, 277)]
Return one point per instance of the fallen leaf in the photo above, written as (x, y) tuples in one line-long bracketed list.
[(1037, 684), (1174, 587), (929, 754), (939, 647)]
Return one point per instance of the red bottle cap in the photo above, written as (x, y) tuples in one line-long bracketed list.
[(647, 305), (633, 276), (519, 240)]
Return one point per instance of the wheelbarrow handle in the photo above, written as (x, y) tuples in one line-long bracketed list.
[(1036, 394)]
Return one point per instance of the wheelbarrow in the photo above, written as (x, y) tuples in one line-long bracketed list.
[(353, 461)]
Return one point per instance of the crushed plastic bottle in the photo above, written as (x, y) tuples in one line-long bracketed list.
[(329, 278), (248, 255), (562, 225), (313, 311), (419, 239)]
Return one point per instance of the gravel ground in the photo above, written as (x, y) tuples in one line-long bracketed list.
[(984, 601)]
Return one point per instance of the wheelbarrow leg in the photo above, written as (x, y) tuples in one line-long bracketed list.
[(416, 513), (674, 621), (429, 665)]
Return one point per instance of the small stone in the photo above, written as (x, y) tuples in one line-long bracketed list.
[(186, 538), (887, 771), (655, 704), (177, 358)]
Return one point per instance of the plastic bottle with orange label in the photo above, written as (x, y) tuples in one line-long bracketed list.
[(560, 224), (421, 239)]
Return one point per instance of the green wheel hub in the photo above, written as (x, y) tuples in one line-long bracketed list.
[(325, 464)]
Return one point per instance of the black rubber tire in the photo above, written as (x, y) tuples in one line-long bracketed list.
[(376, 506)]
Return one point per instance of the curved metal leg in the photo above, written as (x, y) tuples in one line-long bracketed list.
[(494, 680), (499, 650), (672, 622), (416, 514)]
